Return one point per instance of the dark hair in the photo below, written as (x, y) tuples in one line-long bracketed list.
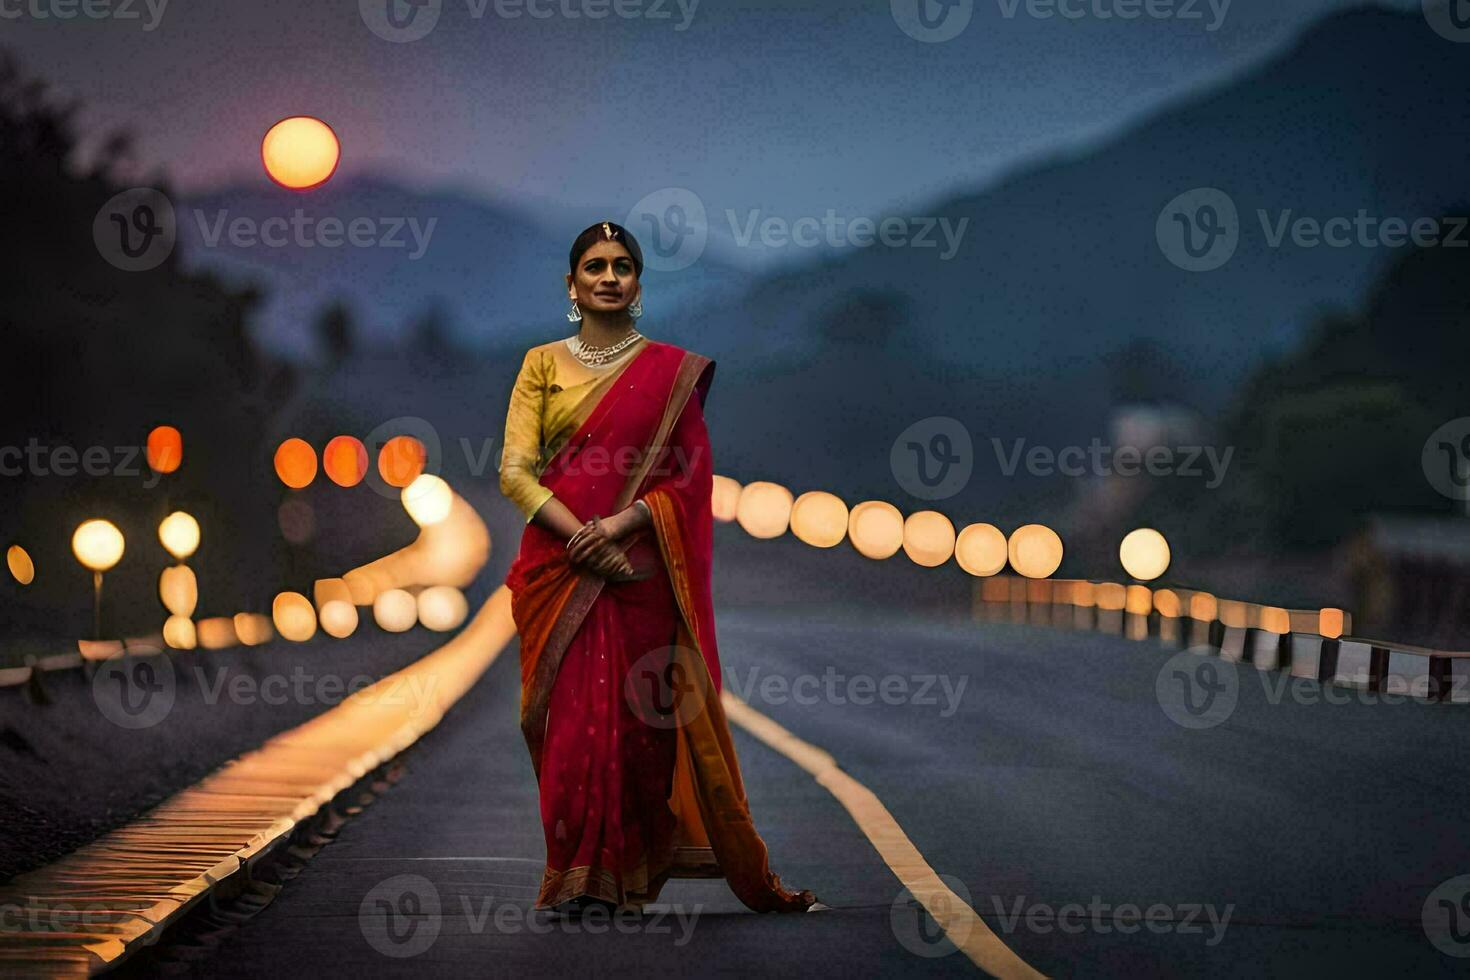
[(606, 231)]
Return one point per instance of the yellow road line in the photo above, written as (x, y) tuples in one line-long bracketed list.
[(961, 924)]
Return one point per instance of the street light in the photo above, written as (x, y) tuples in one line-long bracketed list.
[(180, 534), (98, 545), (427, 499)]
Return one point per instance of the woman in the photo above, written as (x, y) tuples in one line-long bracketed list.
[(607, 455)]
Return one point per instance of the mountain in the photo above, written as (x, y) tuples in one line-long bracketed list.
[(1061, 267)]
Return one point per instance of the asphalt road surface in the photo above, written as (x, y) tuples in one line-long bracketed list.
[(1042, 772)]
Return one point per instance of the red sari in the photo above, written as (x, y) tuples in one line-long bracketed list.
[(620, 681)]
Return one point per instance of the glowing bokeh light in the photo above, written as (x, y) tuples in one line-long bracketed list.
[(1035, 551), (345, 461), (928, 538), (1110, 596), (21, 567), (725, 498), (1166, 601), (395, 610), (1203, 607), (442, 608), (339, 618), (293, 616), (180, 534), (1330, 623), (300, 152), (981, 549), (819, 519), (178, 590), (427, 500), (165, 449), (1274, 619), (764, 510), (98, 544), (1144, 554), (875, 528), (253, 629), (216, 633), (401, 460), (324, 590), (295, 463), (179, 633)]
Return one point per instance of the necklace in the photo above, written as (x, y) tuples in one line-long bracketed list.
[(600, 356)]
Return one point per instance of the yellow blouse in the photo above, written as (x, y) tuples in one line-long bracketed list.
[(553, 395)]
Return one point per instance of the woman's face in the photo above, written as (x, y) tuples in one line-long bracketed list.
[(605, 280)]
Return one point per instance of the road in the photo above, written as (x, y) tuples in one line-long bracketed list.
[(1034, 768)]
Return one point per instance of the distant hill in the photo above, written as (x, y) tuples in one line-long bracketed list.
[(1060, 265), (493, 269)]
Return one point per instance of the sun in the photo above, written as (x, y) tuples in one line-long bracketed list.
[(300, 152)]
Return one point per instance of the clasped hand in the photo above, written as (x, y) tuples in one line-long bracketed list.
[(592, 547)]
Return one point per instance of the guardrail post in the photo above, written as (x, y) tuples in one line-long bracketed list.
[(1248, 646), (1377, 668), (1283, 652), (1327, 660), (1441, 678)]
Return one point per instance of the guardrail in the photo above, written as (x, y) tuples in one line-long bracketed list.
[(1249, 632)]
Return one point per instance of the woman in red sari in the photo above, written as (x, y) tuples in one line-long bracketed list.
[(607, 454)]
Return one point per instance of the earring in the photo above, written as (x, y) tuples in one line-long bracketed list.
[(636, 310), (575, 314)]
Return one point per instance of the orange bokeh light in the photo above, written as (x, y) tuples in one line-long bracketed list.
[(345, 461), (296, 463), (401, 460), (300, 153), (165, 449)]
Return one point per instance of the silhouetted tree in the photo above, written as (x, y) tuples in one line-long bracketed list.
[(96, 356)]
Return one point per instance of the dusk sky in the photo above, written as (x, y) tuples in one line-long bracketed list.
[(789, 107)]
